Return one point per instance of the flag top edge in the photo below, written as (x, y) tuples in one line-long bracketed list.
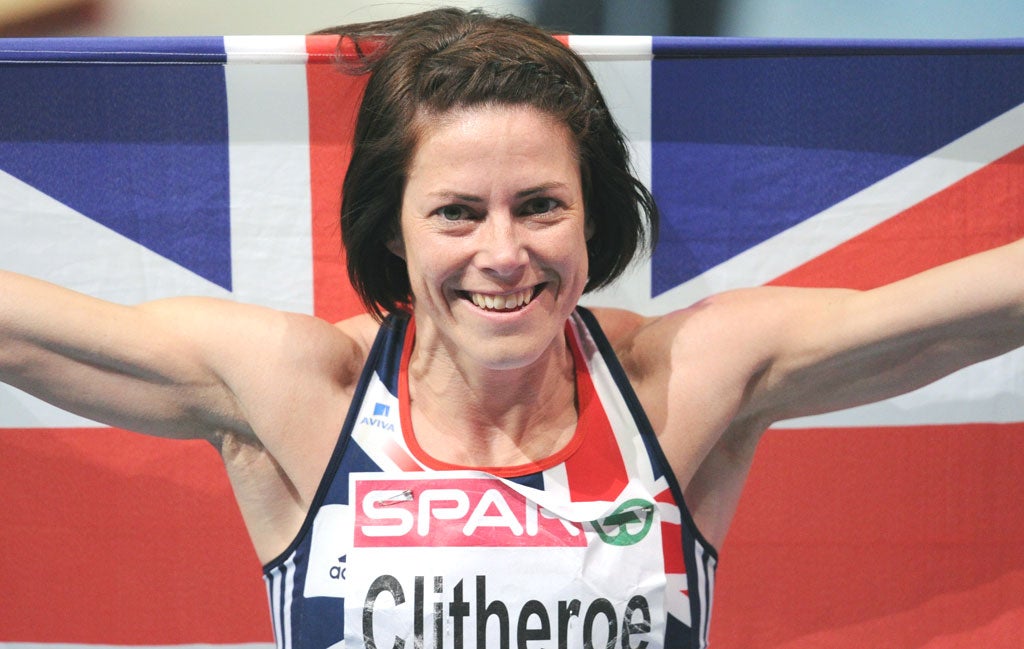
[(218, 50), (622, 48), (132, 50), (718, 46)]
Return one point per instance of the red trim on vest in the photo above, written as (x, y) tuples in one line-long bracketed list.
[(596, 471), (591, 419)]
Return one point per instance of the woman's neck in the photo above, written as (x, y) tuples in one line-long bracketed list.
[(468, 415)]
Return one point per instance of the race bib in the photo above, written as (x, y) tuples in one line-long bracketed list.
[(464, 559)]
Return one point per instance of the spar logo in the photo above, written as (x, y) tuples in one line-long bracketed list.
[(481, 512), (454, 512)]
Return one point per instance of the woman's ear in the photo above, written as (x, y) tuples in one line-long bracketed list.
[(397, 247), (588, 228)]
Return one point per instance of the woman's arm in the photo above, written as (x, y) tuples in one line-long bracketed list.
[(831, 349), (184, 368), (713, 377)]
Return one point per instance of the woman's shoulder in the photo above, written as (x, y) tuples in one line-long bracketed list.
[(361, 329), (627, 333), (618, 325), (304, 349), (635, 335), (714, 327)]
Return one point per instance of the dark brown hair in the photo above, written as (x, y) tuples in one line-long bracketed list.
[(445, 59)]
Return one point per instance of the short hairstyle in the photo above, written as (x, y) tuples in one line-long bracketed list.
[(448, 59)]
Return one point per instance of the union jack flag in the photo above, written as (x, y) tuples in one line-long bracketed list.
[(133, 169)]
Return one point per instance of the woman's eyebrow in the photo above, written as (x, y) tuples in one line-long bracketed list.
[(471, 198), (448, 194), (540, 189)]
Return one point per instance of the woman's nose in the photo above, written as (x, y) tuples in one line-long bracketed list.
[(501, 246)]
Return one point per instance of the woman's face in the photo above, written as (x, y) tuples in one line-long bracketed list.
[(494, 234)]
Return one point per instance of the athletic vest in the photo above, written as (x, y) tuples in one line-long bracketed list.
[(592, 547)]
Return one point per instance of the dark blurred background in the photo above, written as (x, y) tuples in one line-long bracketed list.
[(756, 18)]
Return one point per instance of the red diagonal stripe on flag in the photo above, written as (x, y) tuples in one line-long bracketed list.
[(981, 211)]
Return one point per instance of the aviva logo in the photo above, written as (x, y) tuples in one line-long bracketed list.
[(381, 413)]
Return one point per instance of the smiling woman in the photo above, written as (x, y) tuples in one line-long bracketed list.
[(445, 61), (480, 461), (511, 178)]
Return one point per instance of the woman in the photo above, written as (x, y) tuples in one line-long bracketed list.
[(510, 468)]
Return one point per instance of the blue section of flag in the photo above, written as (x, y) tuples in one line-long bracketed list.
[(745, 147), (141, 149)]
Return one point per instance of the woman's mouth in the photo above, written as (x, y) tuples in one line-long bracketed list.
[(503, 303)]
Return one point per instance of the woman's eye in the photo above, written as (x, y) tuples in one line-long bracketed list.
[(539, 205), (453, 213)]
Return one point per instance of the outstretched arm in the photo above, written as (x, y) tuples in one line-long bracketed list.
[(267, 388), (185, 367), (133, 367), (832, 349), (742, 360)]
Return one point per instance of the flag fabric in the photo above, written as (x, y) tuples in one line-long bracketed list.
[(133, 169)]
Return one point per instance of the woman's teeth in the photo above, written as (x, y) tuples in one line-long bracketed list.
[(508, 302)]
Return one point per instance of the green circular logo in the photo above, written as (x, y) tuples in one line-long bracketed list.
[(625, 521)]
